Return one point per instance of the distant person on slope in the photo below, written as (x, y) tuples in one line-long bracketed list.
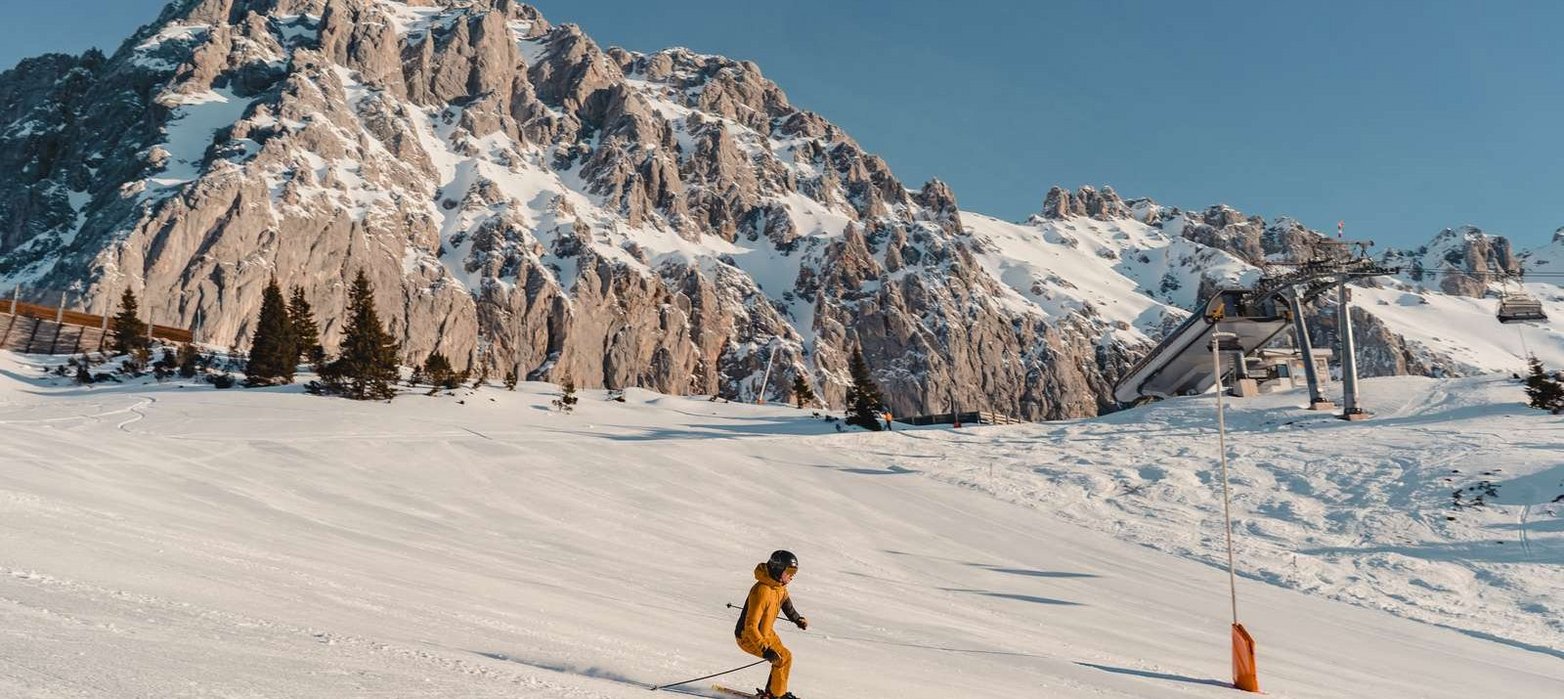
[(754, 633)]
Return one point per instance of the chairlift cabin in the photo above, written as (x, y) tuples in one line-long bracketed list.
[(1520, 308)]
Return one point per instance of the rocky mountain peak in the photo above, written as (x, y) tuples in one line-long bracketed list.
[(521, 198), (1468, 261), (524, 199), (1106, 205)]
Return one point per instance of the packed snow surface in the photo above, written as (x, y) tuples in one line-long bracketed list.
[(166, 540)]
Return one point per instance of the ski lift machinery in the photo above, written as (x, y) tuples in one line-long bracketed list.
[(1176, 366)]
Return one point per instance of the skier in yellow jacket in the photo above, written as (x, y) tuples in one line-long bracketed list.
[(754, 633)]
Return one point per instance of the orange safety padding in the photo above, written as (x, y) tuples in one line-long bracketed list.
[(1245, 675)]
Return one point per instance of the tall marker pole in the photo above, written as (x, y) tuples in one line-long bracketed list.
[(1245, 675)]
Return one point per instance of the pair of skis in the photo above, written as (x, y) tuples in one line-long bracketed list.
[(725, 691), (734, 692)]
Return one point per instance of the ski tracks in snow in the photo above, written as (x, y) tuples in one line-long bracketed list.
[(1330, 508), (146, 402), (125, 619)]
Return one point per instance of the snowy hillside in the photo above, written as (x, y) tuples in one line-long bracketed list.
[(1140, 278), (1461, 332), (1123, 271), (169, 540)]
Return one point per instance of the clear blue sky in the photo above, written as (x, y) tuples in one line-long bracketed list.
[(1402, 118)]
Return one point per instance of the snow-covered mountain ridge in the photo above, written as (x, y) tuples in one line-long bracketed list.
[(523, 198)]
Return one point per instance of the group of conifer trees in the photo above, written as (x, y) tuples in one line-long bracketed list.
[(865, 402), (286, 334)]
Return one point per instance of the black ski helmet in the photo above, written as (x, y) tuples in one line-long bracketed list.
[(780, 561)]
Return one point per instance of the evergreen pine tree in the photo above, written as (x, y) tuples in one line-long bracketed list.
[(1544, 391), (130, 332), (864, 401), (274, 354), (802, 393), (438, 371), (306, 332), (566, 402), (510, 380), (367, 366)]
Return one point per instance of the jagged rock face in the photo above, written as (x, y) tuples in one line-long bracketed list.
[(1380, 351), (524, 199), (1106, 205), (520, 198), (1467, 261), (1249, 238)]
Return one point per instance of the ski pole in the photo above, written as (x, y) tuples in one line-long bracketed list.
[(734, 606), (719, 674)]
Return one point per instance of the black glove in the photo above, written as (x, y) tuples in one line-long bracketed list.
[(802, 622), (770, 655)]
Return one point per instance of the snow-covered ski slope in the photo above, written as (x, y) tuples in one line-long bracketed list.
[(167, 541)]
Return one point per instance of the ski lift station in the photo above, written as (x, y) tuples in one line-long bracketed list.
[(1180, 366), (1248, 320)]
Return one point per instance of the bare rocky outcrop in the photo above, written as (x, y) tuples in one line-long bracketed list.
[(1462, 261), (1106, 205)]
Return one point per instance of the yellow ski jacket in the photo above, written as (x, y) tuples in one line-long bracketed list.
[(766, 599)]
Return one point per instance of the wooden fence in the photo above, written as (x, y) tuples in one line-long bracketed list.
[(35, 329), (971, 417)]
